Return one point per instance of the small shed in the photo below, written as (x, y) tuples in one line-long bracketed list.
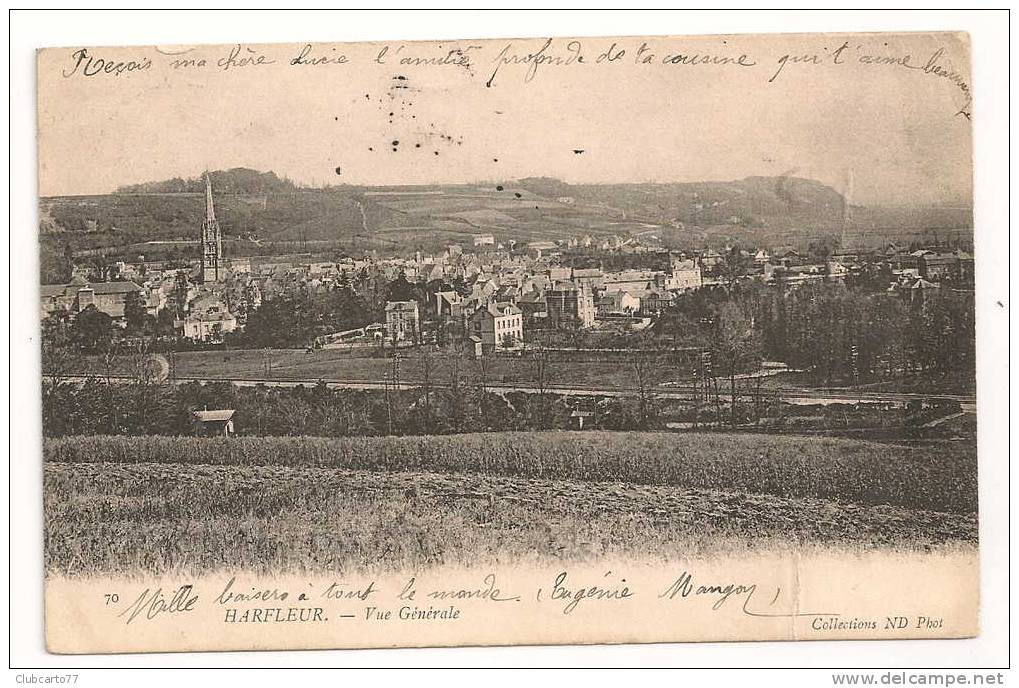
[(214, 423), (477, 346), (577, 419)]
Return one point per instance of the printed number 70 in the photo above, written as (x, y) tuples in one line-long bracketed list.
[(111, 598)]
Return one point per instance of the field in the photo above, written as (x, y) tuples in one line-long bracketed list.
[(356, 365), (157, 504)]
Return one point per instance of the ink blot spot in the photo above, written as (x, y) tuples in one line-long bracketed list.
[(495, 159), (499, 188), (338, 170), (370, 148), (417, 145), (518, 195), (436, 152), (578, 151), (395, 142)]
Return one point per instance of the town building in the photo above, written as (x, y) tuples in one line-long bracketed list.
[(617, 301), (593, 278), (77, 295), (402, 320), (835, 270), (500, 325), (448, 304), (936, 266), (684, 275), (652, 302), (213, 268), (209, 323), (710, 259), (965, 267), (155, 300), (569, 306), (632, 280), (484, 240), (532, 304), (239, 265), (537, 249)]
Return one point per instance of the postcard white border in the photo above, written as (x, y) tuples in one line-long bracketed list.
[(989, 36)]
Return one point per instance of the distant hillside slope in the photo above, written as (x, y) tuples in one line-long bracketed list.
[(258, 208), (238, 180), (754, 201)]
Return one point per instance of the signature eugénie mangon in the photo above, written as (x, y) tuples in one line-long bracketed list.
[(564, 593)]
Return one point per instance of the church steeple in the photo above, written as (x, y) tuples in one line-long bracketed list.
[(212, 241), (210, 211)]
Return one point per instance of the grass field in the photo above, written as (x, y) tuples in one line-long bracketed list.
[(358, 365), (940, 477), (157, 504)]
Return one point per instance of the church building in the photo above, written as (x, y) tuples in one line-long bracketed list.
[(213, 268)]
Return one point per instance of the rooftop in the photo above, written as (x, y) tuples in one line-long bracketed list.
[(98, 287), (206, 415)]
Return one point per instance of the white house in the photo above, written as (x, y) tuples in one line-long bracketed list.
[(618, 301), (209, 324), (402, 320), (498, 325), (685, 274)]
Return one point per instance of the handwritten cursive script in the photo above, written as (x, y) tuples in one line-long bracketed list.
[(152, 604)]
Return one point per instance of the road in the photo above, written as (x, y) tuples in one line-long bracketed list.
[(790, 396)]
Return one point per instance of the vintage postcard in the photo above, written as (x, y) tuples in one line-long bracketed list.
[(518, 341)]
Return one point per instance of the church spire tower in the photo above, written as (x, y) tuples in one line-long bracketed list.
[(212, 240)]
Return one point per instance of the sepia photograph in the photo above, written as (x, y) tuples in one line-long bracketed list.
[(508, 341)]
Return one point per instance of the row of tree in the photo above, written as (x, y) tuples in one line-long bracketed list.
[(98, 407), (835, 332)]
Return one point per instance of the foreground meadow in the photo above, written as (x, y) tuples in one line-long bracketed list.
[(159, 504)]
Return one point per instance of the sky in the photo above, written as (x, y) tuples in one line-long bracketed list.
[(421, 114)]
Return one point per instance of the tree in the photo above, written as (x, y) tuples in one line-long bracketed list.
[(540, 410), (735, 347), (92, 330), (400, 289), (55, 265), (426, 388), (181, 287), (541, 360), (824, 247), (284, 321), (135, 312), (644, 363), (56, 330), (734, 266)]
